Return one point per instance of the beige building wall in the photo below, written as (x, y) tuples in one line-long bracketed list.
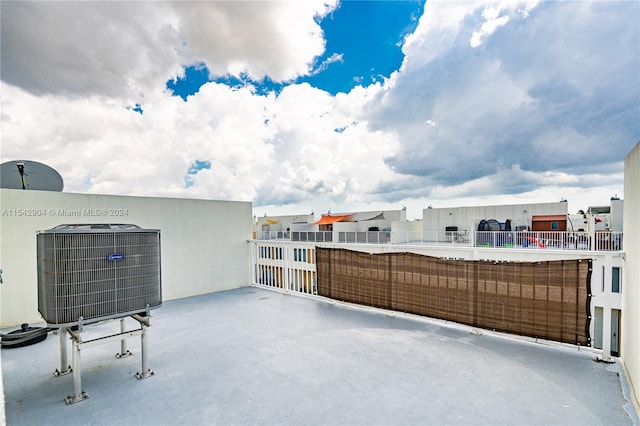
[(630, 333), (204, 244)]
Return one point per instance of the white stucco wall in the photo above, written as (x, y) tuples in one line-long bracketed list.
[(405, 230), (361, 226), (282, 223), (630, 333), (204, 243), (617, 215)]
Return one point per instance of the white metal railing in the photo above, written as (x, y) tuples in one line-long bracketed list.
[(273, 235), (460, 238), (284, 265), (314, 236), (364, 237), (538, 240)]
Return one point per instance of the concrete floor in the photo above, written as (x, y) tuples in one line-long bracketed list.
[(255, 356)]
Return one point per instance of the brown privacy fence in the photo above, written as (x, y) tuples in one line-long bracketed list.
[(548, 300)]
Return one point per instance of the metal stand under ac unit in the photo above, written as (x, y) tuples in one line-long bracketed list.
[(78, 345)]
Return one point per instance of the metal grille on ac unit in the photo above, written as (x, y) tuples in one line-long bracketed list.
[(88, 273)]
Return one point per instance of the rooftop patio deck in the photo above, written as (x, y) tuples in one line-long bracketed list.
[(256, 356)]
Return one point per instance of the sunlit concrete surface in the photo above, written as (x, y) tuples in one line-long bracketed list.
[(254, 356)]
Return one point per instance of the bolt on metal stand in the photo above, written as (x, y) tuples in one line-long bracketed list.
[(78, 345)]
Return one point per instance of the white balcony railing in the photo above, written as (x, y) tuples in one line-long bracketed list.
[(537, 240)]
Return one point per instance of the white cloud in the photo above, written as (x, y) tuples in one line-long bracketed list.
[(493, 21), (496, 14), (541, 91), (100, 146), (82, 48), (336, 57), (323, 147), (268, 149), (276, 39), (126, 49)]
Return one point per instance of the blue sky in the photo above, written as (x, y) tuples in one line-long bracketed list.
[(363, 46), (318, 105)]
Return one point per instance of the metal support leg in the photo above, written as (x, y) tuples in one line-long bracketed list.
[(78, 393), (65, 368), (146, 372), (77, 345), (123, 343)]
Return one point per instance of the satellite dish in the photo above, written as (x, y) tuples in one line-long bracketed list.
[(23, 174)]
